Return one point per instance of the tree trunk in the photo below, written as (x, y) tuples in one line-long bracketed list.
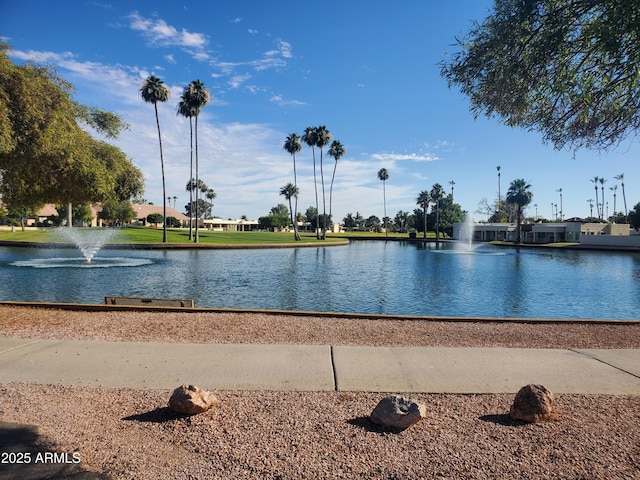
[(69, 215)]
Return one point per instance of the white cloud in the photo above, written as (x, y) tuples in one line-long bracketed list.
[(415, 157), (280, 100), (159, 33), (237, 80)]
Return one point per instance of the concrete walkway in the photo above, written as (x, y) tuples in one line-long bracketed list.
[(318, 367)]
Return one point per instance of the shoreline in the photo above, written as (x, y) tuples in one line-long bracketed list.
[(146, 305)]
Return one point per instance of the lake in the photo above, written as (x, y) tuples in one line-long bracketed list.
[(392, 277)]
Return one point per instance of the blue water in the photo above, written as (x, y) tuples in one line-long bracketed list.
[(365, 277)]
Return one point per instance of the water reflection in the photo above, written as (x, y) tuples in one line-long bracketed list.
[(368, 277)]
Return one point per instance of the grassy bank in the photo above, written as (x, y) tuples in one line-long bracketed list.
[(143, 235)]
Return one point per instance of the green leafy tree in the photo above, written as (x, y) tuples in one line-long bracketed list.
[(349, 222), (311, 215), (155, 218), (520, 195), (373, 224), (118, 212), (568, 69), (45, 156), (153, 90), (446, 215), (634, 216), (278, 218)]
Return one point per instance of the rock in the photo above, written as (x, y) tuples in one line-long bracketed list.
[(397, 412), (189, 399), (533, 403)]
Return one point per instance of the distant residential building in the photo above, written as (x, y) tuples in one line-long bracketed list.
[(573, 230)]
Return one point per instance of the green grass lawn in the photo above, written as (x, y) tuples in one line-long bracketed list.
[(146, 235)]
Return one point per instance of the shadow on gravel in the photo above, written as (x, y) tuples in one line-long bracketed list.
[(502, 419), (24, 459), (157, 415), (366, 424)]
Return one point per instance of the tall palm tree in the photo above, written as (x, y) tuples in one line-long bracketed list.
[(210, 195), (594, 180), (336, 151), (624, 197), (153, 90), (197, 97), (499, 198), (452, 183), (423, 202), (436, 193), (293, 145), (519, 194), (590, 201), (291, 191), (602, 182), (186, 110), (383, 175), (310, 137), (324, 137), (560, 192), (614, 189)]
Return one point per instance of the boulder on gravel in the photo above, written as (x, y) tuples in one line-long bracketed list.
[(398, 412), (533, 403), (190, 400)]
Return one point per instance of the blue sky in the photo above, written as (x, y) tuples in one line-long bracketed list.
[(368, 70)]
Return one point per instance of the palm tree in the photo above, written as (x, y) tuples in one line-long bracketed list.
[(174, 201), (602, 182), (436, 193), (310, 137), (624, 197), (290, 191), (383, 175), (519, 194), (614, 190), (336, 151), (590, 207), (153, 90), (292, 145), (560, 192), (324, 137), (423, 201), (210, 195), (197, 97), (595, 186), (499, 198), (186, 110), (452, 183)]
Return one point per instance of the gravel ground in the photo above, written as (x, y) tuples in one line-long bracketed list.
[(131, 434)]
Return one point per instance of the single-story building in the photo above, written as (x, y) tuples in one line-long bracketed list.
[(143, 211), (572, 230), (222, 225)]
